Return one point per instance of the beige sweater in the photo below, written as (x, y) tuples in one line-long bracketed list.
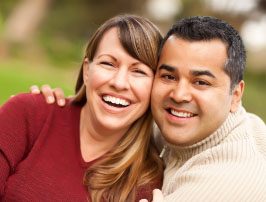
[(229, 165)]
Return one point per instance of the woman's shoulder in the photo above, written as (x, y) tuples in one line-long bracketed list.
[(21, 119), (24, 100), (33, 110), (29, 103), (26, 108)]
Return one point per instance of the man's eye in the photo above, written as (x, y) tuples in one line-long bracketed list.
[(202, 83), (168, 77)]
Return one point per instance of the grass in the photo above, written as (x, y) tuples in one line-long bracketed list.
[(17, 76)]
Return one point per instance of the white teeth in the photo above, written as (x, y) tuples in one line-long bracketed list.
[(115, 100), (181, 114)]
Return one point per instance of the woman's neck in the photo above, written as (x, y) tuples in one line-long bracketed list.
[(95, 140)]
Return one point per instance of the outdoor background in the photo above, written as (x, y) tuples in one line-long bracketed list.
[(42, 41)]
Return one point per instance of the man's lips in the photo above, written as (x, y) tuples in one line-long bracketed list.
[(180, 113)]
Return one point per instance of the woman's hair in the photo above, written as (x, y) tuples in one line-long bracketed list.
[(133, 162)]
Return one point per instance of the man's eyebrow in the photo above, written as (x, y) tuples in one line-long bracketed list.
[(167, 68), (202, 73)]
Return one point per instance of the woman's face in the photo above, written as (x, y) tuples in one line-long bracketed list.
[(118, 86)]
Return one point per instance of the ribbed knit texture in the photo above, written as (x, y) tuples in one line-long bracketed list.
[(229, 165), (40, 157)]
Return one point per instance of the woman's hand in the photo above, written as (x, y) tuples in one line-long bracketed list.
[(51, 95), (157, 196)]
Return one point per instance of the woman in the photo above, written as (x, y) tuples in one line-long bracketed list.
[(102, 136)]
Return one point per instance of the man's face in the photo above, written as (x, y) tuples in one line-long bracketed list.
[(191, 94)]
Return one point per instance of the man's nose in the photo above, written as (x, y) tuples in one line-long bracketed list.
[(181, 92)]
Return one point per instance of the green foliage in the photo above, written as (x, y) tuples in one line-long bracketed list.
[(7, 6), (18, 76), (255, 93), (1, 23), (60, 52)]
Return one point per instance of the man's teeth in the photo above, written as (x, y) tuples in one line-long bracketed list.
[(115, 100), (181, 114)]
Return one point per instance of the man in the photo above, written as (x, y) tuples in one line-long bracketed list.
[(213, 149)]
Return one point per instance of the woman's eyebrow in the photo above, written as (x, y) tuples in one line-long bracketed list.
[(106, 55)]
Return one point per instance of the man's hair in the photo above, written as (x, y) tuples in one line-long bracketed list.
[(205, 28)]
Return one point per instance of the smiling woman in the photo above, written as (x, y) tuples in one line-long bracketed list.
[(103, 135), (114, 86)]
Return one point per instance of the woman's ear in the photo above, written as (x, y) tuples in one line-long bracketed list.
[(85, 68), (237, 96)]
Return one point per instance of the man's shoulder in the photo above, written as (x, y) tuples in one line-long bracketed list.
[(231, 159), (256, 124), (206, 179), (257, 129)]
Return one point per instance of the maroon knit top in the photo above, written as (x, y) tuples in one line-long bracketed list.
[(40, 157)]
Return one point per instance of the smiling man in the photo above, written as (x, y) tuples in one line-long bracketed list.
[(192, 95), (215, 150)]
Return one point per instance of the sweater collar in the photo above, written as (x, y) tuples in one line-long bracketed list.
[(232, 121)]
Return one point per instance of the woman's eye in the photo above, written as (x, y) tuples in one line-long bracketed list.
[(107, 63), (140, 71)]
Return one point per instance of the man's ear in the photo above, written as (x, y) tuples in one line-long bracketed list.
[(85, 68), (237, 94)]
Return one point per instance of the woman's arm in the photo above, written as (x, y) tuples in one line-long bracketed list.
[(14, 137), (12, 146)]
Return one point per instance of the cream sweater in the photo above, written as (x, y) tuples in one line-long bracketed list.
[(229, 165)]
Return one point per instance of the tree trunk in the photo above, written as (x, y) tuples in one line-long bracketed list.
[(24, 20)]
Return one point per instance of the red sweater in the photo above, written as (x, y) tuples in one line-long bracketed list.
[(40, 157)]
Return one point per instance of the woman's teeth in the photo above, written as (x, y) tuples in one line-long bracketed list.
[(118, 102)]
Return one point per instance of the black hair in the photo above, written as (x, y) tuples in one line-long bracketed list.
[(205, 28)]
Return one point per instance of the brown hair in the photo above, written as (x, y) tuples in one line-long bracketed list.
[(134, 161)]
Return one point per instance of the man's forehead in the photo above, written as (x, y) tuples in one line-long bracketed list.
[(195, 57), (194, 53), (176, 41)]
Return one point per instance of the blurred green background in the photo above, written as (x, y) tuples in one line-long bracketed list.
[(42, 41)]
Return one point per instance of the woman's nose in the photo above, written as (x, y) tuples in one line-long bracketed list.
[(120, 80)]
